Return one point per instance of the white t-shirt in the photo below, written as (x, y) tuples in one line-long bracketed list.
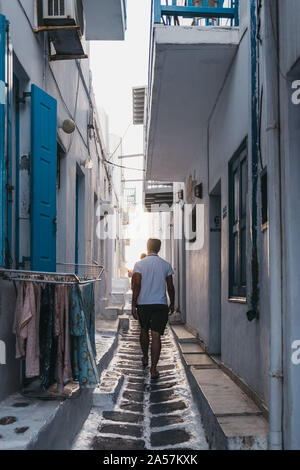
[(154, 271)]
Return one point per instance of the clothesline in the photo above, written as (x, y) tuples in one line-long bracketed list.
[(83, 274), (55, 334)]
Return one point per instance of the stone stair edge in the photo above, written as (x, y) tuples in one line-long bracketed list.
[(213, 423)]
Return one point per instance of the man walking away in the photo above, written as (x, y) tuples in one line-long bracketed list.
[(151, 277)]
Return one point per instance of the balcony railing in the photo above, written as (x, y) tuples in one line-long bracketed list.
[(159, 186), (201, 12)]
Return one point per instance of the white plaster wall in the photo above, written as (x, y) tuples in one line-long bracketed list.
[(61, 80), (289, 64), (244, 345), (247, 351)]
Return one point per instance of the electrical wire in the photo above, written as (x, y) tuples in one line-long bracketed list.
[(25, 13), (66, 106), (75, 111), (122, 166), (121, 140)]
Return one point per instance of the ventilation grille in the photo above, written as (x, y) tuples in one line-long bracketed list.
[(138, 95), (55, 9)]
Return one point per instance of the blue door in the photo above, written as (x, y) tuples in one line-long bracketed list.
[(2, 136), (43, 177)]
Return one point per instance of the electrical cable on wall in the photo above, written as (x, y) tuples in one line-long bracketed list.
[(121, 141)]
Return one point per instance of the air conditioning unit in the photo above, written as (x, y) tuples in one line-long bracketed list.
[(63, 13)]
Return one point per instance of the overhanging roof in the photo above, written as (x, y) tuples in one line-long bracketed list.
[(105, 19), (189, 66)]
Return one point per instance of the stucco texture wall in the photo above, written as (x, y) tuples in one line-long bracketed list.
[(245, 345)]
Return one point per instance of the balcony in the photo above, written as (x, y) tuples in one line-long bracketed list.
[(158, 196), (105, 19), (192, 47)]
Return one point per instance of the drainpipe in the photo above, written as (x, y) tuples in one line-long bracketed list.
[(254, 154), (271, 78)]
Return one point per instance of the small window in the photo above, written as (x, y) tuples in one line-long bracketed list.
[(264, 198), (130, 195), (238, 189), (191, 235)]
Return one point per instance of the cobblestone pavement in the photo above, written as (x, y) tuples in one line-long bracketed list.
[(147, 414)]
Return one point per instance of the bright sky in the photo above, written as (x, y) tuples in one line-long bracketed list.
[(117, 67)]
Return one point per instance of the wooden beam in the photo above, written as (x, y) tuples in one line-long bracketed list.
[(55, 28)]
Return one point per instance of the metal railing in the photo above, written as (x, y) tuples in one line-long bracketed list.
[(202, 12), (67, 273), (159, 186)]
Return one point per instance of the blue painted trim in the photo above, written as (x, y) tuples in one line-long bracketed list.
[(157, 11), (17, 155), (237, 12), (43, 180), (190, 11), (2, 139), (9, 195), (77, 219), (198, 12)]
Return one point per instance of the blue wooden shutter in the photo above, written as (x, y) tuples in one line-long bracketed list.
[(2, 136), (43, 177)]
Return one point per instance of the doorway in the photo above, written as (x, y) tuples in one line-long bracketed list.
[(79, 217), (215, 235)]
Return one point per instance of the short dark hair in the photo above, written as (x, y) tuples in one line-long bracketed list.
[(153, 244)]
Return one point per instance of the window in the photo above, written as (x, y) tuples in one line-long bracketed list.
[(238, 175), (191, 236), (130, 195)]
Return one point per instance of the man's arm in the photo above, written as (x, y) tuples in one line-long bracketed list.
[(171, 293), (136, 289)]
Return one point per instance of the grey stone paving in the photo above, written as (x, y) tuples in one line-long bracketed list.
[(147, 415)]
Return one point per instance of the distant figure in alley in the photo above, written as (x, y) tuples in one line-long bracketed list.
[(152, 277)]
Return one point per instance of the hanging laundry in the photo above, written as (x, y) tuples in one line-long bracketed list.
[(26, 327), (62, 332), (82, 330), (48, 340)]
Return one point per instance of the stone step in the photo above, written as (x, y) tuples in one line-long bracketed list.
[(116, 298), (192, 348), (183, 335), (120, 285), (127, 308), (112, 312), (128, 296), (105, 397), (231, 419)]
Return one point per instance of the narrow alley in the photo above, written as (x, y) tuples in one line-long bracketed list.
[(149, 184), (146, 415)]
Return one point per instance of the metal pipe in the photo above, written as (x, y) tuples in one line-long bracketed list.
[(271, 79)]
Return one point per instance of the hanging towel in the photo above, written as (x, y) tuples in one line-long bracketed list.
[(26, 327), (62, 332), (48, 340), (82, 330)]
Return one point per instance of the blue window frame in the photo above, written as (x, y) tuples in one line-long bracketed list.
[(5, 143), (2, 135), (238, 189)]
